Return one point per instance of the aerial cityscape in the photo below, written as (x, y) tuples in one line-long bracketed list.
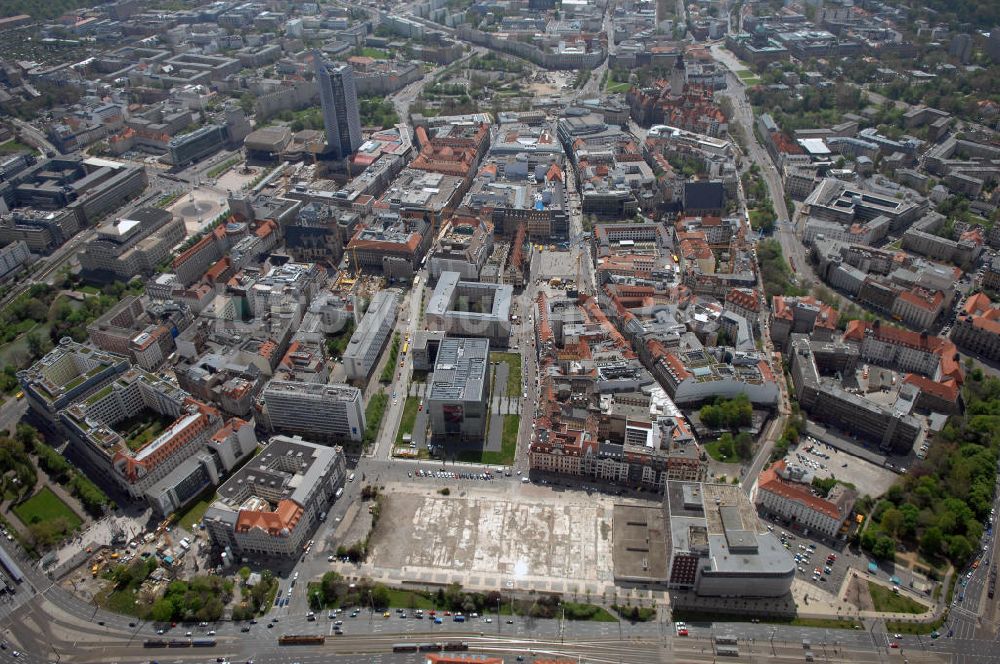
[(473, 331)]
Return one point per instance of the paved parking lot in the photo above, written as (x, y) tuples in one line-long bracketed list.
[(869, 479), (812, 555)]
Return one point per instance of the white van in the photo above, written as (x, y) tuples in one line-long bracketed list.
[(350, 478)]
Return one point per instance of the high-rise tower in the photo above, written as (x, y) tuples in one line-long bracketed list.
[(339, 99)]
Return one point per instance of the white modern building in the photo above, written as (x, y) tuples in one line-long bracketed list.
[(718, 547), (371, 335), (471, 309), (327, 413)]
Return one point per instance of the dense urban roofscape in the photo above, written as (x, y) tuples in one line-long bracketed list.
[(319, 320)]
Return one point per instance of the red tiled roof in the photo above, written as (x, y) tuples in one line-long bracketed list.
[(919, 297), (947, 390), (745, 298), (769, 480), (283, 518)]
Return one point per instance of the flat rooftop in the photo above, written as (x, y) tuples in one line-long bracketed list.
[(461, 369), (640, 543)]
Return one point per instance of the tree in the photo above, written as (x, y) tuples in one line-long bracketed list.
[(162, 610), (959, 549), (380, 596), (36, 346), (743, 445), (892, 521), (26, 435), (244, 573), (884, 548), (931, 542)]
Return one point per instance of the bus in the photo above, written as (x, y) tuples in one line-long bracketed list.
[(301, 640)]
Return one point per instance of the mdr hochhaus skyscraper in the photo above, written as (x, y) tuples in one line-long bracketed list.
[(339, 98)]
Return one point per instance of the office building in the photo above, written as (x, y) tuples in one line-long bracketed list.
[(42, 231), (13, 256), (146, 435), (326, 413), (339, 100), (779, 493), (457, 400), (891, 426), (470, 309), (63, 375), (717, 546), (372, 334), (191, 147), (132, 245), (271, 506)]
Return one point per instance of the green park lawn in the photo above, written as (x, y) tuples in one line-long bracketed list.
[(46, 506)]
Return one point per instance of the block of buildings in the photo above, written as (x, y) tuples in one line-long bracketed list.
[(325, 413), (272, 505), (695, 376), (371, 336), (922, 238), (512, 191), (393, 244), (805, 315), (143, 331), (892, 427), (132, 245), (782, 492), (470, 309), (457, 401), (632, 447), (903, 350), (65, 374), (977, 328), (153, 440), (718, 547), (463, 247)]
